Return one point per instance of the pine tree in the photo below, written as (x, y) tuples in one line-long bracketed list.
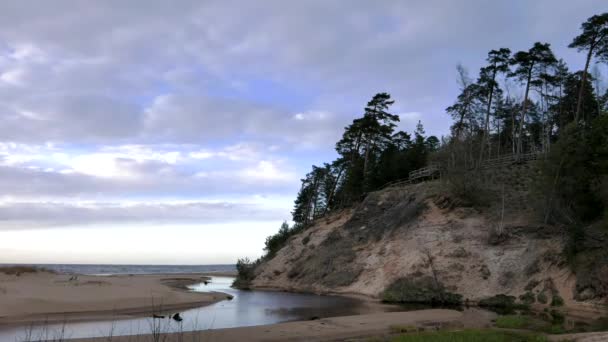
[(530, 65), (594, 40), (498, 63)]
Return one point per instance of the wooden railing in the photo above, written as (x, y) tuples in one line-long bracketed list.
[(434, 170), (509, 159), (428, 171), (416, 175)]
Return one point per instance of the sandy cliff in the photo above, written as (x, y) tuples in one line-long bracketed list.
[(419, 233)]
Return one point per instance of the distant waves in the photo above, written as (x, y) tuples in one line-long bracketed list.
[(133, 269)]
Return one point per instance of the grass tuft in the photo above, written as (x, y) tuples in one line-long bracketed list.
[(470, 336)]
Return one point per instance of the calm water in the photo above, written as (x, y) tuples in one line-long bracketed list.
[(131, 269), (247, 308)]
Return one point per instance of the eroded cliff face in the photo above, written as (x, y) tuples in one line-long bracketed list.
[(415, 232)]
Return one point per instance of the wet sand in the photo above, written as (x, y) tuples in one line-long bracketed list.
[(327, 329), (49, 297)]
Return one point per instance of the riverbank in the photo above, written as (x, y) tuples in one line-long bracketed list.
[(327, 329), (377, 326), (49, 297)]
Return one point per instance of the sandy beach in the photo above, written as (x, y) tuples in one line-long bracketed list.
[(49, 297)]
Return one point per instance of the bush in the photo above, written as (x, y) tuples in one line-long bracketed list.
[(245, 273), (498, 301), (275, 242), (527, 298), (421, 290), (542, 298), (557, 301)]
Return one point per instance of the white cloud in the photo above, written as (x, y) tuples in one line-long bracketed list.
[(266, 171), (28, 215), (154, 100)]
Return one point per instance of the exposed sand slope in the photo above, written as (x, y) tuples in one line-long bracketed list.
[(393, 233), (40, 296), (329, 329)]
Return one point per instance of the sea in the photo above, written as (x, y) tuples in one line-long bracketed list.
[(101, 269)]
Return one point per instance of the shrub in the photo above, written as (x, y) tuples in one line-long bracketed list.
[(527, 298), (542, 298), (421, 290), (498, 301), (275, 242), (557, 301), (245, 273)]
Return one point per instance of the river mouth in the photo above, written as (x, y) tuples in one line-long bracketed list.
[(240, 309), (245, 308)]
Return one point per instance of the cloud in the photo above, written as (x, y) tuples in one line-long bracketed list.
[(133, 171), (28, 215), (187, 73), (118, 101)]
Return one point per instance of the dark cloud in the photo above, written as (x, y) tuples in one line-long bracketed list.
[(121, 53)]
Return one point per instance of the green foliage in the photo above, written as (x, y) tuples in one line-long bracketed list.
[(371, 154), (278, 240), (245, 273), (567, 105), (420, 290), (498, 301), (572, 178), (527, 298), (542, 298), (553, 326), (557, 301), (512, 321), (594, 37), (470, 336)]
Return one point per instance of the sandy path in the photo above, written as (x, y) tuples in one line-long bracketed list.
[(42, 296)]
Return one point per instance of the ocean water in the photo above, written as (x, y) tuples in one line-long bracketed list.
[(131, 269)]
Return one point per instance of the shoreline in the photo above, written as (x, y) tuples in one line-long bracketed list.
[(43, 297), (325, 329)]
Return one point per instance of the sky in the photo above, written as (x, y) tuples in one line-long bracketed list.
[(161, 132)]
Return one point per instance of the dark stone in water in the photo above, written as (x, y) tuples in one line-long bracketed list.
[(157, 316), (177, 317)]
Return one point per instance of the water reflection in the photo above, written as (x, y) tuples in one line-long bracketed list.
[(247, 308)]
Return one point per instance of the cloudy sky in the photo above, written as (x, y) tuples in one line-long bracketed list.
[(176, 132)]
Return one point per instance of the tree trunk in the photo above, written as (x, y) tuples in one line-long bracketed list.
[(461, 122), (487, 128), (499, 138), (523, 116), (512, 131), (333, 189), (579, 102)]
